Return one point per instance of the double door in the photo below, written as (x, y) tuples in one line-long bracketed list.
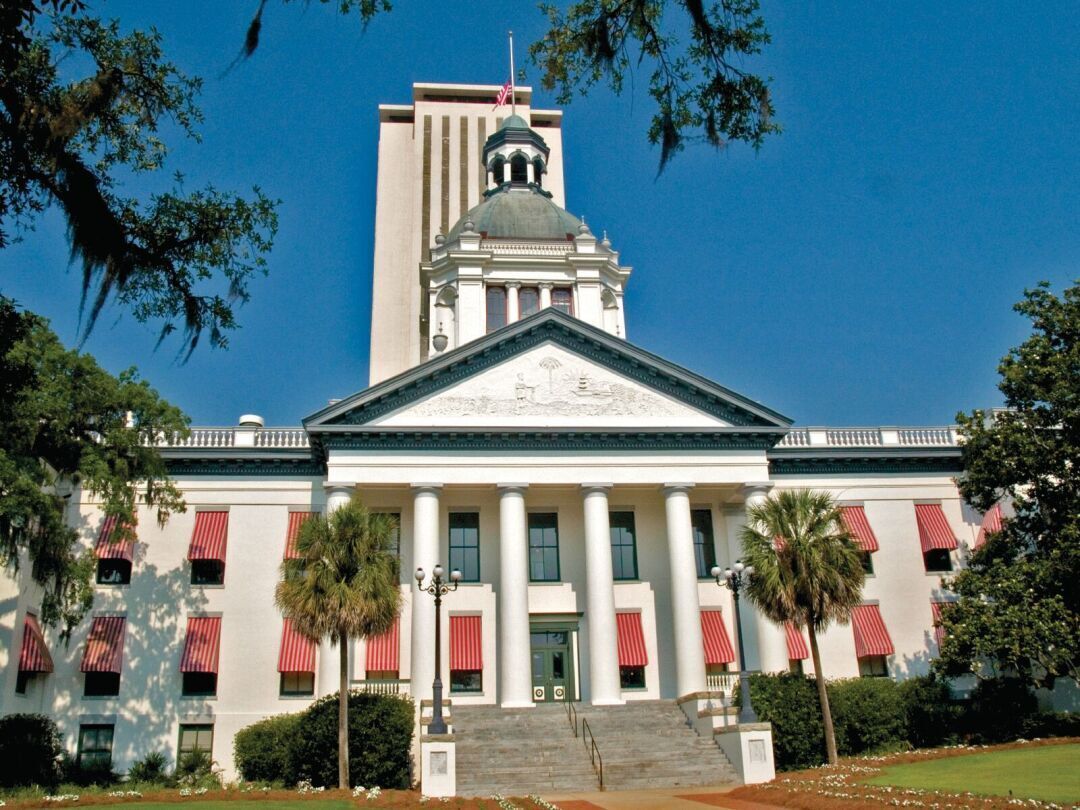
[(552, 665)]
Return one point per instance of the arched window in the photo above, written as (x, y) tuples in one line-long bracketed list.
[(519, 172), (538, 171), (496, 308), (497, 170)]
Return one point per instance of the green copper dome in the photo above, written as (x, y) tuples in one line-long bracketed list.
[(515, 122), (519, 213)]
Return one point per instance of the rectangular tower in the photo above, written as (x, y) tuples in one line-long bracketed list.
[(429, 175)]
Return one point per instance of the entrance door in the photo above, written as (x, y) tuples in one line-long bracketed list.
[(552, 665)]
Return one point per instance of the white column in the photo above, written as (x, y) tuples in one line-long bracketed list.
[(685, 609), (426, 556), (513, 310), (545, 294), (769, 639), (600, 599), (329, 659), (515, 673)]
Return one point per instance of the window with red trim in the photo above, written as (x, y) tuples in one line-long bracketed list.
[(496, 308)]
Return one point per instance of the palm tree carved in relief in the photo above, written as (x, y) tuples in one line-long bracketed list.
[(807, 571), (343, 584)]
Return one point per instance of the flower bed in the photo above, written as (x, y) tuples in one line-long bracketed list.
[(844, 785)]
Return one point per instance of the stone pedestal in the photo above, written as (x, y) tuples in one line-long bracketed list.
[(438, 765), (749, 747)]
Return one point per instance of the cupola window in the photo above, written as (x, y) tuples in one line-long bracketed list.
[(519, 173), (529, 301), (538, 171), (496, 308), (563, 298), (497, 171)]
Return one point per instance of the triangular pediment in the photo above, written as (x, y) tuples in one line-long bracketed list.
[(547, 371)]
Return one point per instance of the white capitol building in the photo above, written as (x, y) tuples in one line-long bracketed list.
[(583, 486)]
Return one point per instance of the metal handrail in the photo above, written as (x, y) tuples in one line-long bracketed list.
[(594, 752), (571, 712)]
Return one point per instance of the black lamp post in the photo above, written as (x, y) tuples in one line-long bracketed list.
[(438, 589), (734, 578)]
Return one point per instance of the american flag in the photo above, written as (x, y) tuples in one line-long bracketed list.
[(504, 94)]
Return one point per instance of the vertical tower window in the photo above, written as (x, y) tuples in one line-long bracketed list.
[(704, 548), (544, 547), (538, 171), (528, 301), (563, 298), (496, 308), (519, 172), (465, 545), (623, 546)]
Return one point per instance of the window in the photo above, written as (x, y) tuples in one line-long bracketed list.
[(466, 680), (23, 681), (200, 684), (867, 561), (937, 559), (207, 572), (196, 737), (297, 683), (465, 545), (704, 547), (498, 170), (114, 572), (496, 308), (95, 747), (528, 301), (519, 172), (544, 547), (562, 298), (395, 534), (631, 677), (538, 171), (623, 546), (101, 684), (873, 666)]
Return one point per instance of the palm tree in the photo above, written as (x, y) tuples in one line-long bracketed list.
[(343, 584), (807, 571)]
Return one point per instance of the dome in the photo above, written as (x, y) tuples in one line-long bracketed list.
[(519, 213), (515, 122)]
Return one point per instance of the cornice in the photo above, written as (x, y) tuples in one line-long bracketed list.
[(842, 462)]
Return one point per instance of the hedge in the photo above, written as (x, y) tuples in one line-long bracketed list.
[(790, 703), (30, 751), (294, 747)]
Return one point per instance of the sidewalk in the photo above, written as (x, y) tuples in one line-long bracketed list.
[(681, 798)]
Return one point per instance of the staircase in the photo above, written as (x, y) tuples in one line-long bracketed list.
[(644, 744), (518, 752)]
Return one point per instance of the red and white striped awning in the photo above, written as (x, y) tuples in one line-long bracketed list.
[(382, 651), (632, 651), (934, 530), (466, 643), (296, 519), (108, 549), (203, 644), (34, 656), (210, 536), (939, 632), (991, 524), (297, 650), (871, 637), (104, 645), (797, 649), (718, 649), (856, 523)]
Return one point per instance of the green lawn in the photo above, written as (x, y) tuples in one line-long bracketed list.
[(1047, 772)]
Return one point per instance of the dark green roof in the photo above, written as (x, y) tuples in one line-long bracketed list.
[(515, 122), (519, 213)]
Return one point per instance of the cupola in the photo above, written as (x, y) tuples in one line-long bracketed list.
[(515, 155)]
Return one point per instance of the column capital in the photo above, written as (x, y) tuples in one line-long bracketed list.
[(759, 488), (596, 486), (330, 486), (672, 488), (511, 487), (513, 285), (546, 285), (420, 487)]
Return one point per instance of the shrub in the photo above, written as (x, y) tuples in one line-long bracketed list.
[(868, 715), (30, 751), (76, 775), (380, 738), (1051, 724), (151, 769), (196, 769), (790, 703), (262, 749), (1000, 710), (931, 715)]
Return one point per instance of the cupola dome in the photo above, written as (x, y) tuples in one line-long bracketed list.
[(518, 213)]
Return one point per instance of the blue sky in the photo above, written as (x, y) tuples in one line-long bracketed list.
[(859, 269)]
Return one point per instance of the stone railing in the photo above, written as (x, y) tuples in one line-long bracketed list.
[(726, 682), (499, 246), (219, 437), (871, 437), (378, 687)]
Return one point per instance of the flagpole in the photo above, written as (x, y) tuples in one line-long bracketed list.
[(513, 90)]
